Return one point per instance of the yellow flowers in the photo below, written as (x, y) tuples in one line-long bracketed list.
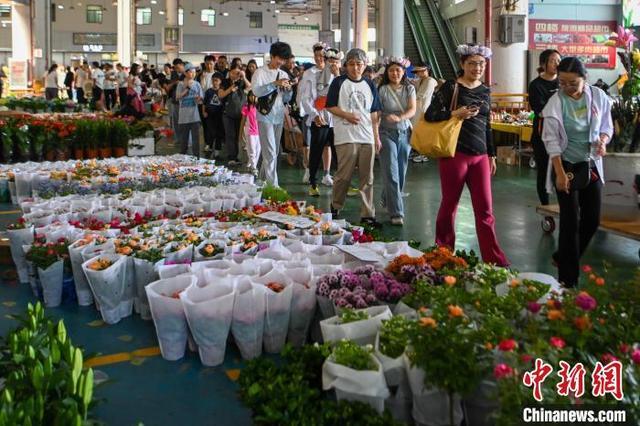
[(100, 264), (635, 56), (455, 311), (428, 322), (450, 280)]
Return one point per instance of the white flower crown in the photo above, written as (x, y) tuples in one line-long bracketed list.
[(403, 62), (465, 49), (332, 53), (321, 44)]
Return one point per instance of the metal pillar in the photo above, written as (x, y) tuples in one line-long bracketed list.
[(172, 37), (345, 25), (391, 39), (126, 32), (361, 24)]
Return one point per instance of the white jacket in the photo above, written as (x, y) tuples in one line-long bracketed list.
[(554, 134)]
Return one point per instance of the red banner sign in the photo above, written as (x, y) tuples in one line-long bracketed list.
[(584, 39)]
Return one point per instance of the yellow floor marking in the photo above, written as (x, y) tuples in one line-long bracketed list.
[(233, 375), (122, 357), (11, 212)]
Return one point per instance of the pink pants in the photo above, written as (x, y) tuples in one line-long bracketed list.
[(473, 170)]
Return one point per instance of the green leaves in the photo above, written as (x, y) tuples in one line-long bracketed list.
[(44, 376)]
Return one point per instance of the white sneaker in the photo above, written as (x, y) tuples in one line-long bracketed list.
[(420, 159), (305, 178), (327, 180), (397, 221)]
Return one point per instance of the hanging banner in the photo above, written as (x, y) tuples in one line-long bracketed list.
[(584, 39), (18, 74)]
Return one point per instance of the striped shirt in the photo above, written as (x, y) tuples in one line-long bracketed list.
[(475, 134)]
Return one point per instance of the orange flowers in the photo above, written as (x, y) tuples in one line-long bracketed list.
[(555, 315), (582, 323), (455, 311), (444, 257), (428, 322), (100, 264), (396, 264), (450, 280)]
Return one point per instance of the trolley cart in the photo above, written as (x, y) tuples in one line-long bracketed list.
[(624, 229)]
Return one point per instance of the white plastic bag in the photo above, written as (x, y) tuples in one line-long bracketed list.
[(209, 311), (168, 314), (277, 310), (109, 287), (366, 386), (17, 239), (303, 303), (247, 325), (51, 281), (145, 273), (83, 291), (430, 405), (184, 255), (217, 244), (362, 332)]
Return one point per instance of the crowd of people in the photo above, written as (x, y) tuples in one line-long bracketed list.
[(348, 113)]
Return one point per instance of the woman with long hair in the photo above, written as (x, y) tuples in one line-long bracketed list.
[(540, 90), (577, 128), (474, 161), (252, 66), (398, 98), (51, 83)]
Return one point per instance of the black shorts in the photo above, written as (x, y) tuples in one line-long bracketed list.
[(97, 93)]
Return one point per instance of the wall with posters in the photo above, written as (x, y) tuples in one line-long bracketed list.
[(577, 13)]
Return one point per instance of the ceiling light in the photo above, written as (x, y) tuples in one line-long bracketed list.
[(154, 1), (225, 13), (161, 12), (277, 10), (273, 2), (306, 18), (60, 7)]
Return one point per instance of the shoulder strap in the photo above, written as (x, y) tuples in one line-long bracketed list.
[(394, 95), (454, 98)]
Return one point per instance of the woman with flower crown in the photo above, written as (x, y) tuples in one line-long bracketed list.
[(398, 98), (475, 159)]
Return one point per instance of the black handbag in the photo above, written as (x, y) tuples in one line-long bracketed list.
[(579, 174), (266, 102)]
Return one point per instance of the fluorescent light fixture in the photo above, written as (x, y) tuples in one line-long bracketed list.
[(161, 12), (277, 10), (60, 6), (225, 13), (154, 1)]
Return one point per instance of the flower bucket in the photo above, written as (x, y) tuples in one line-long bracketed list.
[(83, 292), (366, 386), (168, 314), (621, 192), (430, 405), (247, 325), (109, 287), (362, 332), (90, 153), (17, 239), (119, 152), (209, 311), (51, 281), (105, 152), (78, 154), (480, 406), (277, 310), (145, 273)]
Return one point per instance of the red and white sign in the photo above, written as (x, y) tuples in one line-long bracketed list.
[(584, 39)]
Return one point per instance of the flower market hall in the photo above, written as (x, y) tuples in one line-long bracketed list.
[(324, 212)]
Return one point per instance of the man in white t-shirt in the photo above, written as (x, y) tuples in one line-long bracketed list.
[(269, 82), (80, 80), (97, 75), (110, 84), (354, 102), (122, 78)]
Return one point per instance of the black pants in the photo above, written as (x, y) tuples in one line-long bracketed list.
[(80, 95), (320, 138), (542, 164), (231, 131), (70, 93), (214, 131), (97, 94), (51, 93), (122, 96), (579, 220), (110, 98)]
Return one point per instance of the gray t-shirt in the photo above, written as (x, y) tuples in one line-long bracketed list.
[(390, 105), (188, 112)]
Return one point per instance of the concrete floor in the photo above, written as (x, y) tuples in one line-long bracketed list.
[(157, 392)]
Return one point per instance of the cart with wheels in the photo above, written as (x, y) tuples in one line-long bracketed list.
[(624, 229)]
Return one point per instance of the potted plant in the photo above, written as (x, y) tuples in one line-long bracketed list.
[(85, 137), (102, 137), (119, 138), (622, 162)]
